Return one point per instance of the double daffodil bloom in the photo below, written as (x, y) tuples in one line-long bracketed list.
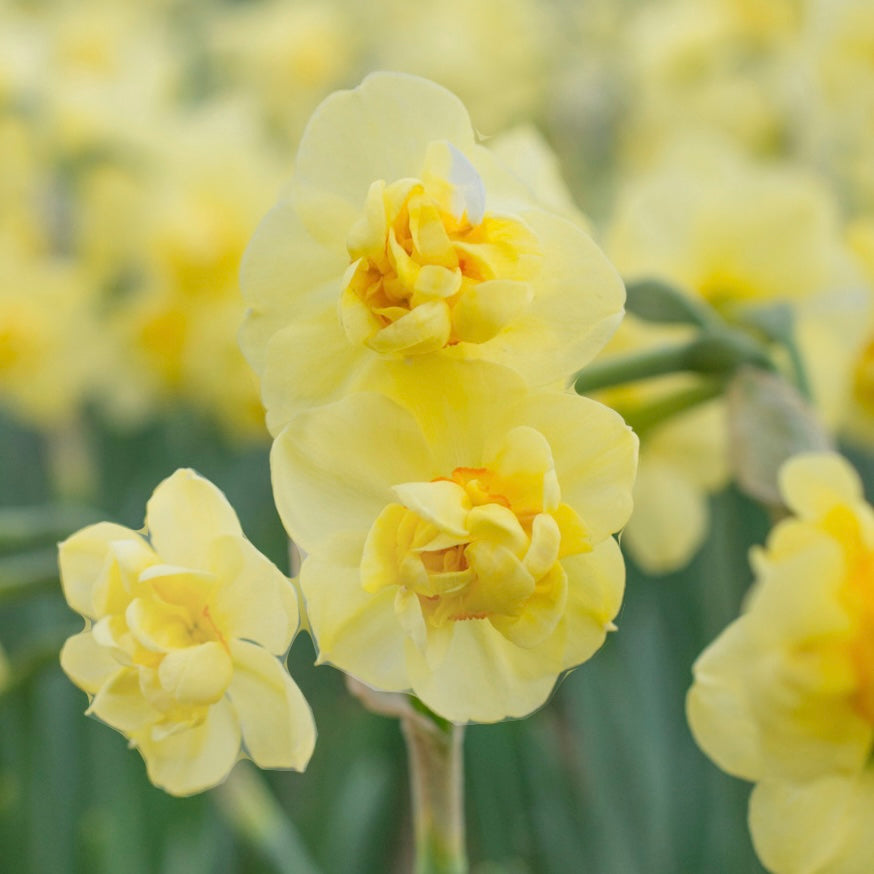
[(458, 530), (183, 630), (400, 238), (785, 696)]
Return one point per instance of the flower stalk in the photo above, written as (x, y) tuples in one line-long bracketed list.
[(713, 354), (437, 785)]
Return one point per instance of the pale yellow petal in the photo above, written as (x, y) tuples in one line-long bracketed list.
[(308, 362), (193, 759), (354, 630), (425, 328), (86, 663), (178, 586), (443, 503), (595, 455), (183, 516), (817, 827), (157, 626), (543, 552), (801, 593), (196, 675), (483, 677), (540, 614), (120, 703), (525, 152), (669, 520), (813, 483), (380, 556), (596, 584), (86, 559), (254, 599), (456, 403), (577, 304), (499, 525), (696, 443), (333, 467), (380, 130), (718, 707), (525, 471), (276, 721), (487, 308), (284, 272), (502, 581)]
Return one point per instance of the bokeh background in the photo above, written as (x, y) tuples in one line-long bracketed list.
[(140, 143)]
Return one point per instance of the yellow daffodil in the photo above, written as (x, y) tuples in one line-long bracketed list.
[(458, 530), (785, 695), (403, 238), (183, 629)]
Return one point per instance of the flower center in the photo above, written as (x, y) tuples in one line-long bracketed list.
[(857, 595), (169, 635), (481, 543), (429, 267)]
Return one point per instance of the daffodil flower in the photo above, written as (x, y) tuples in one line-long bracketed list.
[(785, 695), (183, 629), (459, 533), (401, 237)]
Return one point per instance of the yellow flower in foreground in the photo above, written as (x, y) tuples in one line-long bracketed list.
[(183, 631), (398, 221), (785, 696), (458, 530)]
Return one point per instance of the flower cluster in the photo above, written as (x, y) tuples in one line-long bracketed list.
[(413, 307)]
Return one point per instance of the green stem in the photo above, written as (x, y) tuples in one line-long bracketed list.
[(437, 784), (646, 416), (631, 368), (799, 369), (716, 353)]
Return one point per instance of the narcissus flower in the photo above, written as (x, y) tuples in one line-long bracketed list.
[(183, 630), (401, 237), (458, 530), (785, 696)]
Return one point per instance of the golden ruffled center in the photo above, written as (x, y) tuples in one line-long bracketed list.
[(429, 267), (170, 645), (481, 543), (857, 595)]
